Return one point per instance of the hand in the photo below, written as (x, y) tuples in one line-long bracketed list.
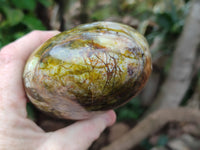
[(19, 133)]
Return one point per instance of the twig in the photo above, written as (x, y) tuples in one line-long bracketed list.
[(153, 123), (180, 74), (63, 8), (84, 9)]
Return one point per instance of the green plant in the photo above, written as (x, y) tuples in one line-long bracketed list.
[(18, 18), (132, 110)]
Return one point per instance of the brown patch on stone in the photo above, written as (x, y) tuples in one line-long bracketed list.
[(130, 70)]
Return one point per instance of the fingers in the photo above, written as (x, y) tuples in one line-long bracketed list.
[(12, 60), (81, 134)]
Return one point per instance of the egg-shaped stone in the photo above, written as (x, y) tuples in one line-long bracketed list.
[(93, 67)]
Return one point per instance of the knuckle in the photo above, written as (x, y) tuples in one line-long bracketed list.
[(38, 35)]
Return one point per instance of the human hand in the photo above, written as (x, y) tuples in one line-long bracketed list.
[(19, 133)]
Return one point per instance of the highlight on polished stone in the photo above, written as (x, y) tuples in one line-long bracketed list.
[(93, 67)]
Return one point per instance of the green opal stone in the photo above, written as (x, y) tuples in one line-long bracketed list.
[(92, 67)]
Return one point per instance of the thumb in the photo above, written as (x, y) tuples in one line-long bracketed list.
[(81, 134)]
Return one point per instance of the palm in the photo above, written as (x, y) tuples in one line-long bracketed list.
[(19, 133)]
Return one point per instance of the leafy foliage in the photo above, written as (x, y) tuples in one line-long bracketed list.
[(30, 111), (132, 110), (24, 4), (157, 18), (162, 19), (18, 18)]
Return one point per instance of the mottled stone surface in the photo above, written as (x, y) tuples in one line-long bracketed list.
[(92, 67)]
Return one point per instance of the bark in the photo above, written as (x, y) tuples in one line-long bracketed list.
[(180, 74), (63, 8), (83, 14), (173, 89), (152, 124)]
